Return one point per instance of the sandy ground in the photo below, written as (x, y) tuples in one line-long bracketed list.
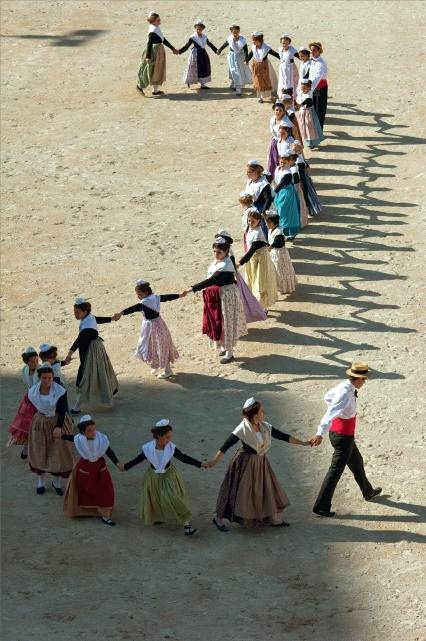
[(101, 187)]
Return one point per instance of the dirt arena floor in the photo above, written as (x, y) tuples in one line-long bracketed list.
[(101, 187)]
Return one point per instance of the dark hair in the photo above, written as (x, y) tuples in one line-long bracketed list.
[(255, 214), (27, 355), (288, 129), (84, 425), (44, 370), (48, 353), (152, 17), (160, 431), (274, 218), (145, 287), (294, 156), (309, 82), (278, 104), (85, 307), (252, 410), (223, 246)]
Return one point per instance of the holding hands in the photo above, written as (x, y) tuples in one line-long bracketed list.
[(315, 441), (117, 316), (120, 466), (185, 292)]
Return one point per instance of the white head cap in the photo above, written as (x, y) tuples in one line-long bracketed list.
[(44, 347), (285, 35), (253, 163), (79, 300), (220, 240), (257, 34), (30, 350), (151, 13), (223, 232), (249, 402), (243, 194), (305, 81), (84, 418), (45, 366), (141, 281), (286, 96), (162, 422), (198, 22)]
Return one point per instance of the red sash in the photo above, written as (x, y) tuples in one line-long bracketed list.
[(345, 426), (322, 83)]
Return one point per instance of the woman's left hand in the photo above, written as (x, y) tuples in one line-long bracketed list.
[(57, 432)]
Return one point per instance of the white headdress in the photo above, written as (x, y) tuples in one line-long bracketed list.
[(164, 422), (30, 350), (141, 281), (79, 300), (257, 34), (84, 418), (249, 402), (44, 347)]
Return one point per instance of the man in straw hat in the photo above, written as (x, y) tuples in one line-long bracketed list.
[(318, 76), (340, 420)]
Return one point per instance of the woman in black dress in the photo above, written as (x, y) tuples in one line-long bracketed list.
[(198, 68)]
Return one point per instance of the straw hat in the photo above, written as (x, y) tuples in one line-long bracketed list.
[(316, 44), (358, 370)]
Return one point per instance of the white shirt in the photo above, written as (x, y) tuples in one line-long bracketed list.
[(317, 71), (341, 401), (284, 146), (255, 187)]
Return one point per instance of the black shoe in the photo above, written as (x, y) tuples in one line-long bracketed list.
[(375, 492), (204, 87), (158, 93), (224, 361), (282, 524), (221, 528), (188, 530), (107, 521), (59, 491), (324, 513), (24, 456), (75, 412), (140, 90), (41, 490)]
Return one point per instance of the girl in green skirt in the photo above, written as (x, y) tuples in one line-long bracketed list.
[(164, 498), (153, 66)]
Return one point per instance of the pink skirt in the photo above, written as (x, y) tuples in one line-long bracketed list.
[(155, 345), (304, 211), (20, 426)]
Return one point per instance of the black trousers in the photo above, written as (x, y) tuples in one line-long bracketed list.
[(345, 454), (319, 99)]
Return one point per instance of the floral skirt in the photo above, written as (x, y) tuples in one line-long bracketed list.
[(286, 278), (155, 345)]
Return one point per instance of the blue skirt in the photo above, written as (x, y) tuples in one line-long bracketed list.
[(288, 209)]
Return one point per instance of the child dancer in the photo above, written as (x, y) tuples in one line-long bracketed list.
[(260, 272), (303, 208), (20, 425), (307, 118), (276, 120), (90, 491), (288, 75), (305, 57), (253, 310), (290, 112), (224, 320), (246, 202), (45, 453), (286, 198), (155, 344), (164, 497), (198, 68), (311, 197), (286, 278), (285, 140), (258, 186), (264, 77), (153, 66), (96, 379), (239, 73), (49, 354)]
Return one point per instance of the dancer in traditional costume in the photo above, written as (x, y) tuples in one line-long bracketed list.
[(96, 379), (250, 493), (340, 421), (260, 272), (49, 354), (279, 118), (198, 68), (246, 202), (259, 187), (286, 199), (307, 118), (20, 425), (285, 140), (239, 73), (310, 194), (286, 278), (47, 454), (264, 77), (288, 75), (153, 66), (224, 320), (164, 497), (318, 76), (155, 344), (90, 491), (303, 208), (254, 312), (305, 58), (290, 113)]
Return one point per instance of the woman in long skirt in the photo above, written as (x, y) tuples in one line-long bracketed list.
[(164, 497), (223, 312), (96, 379), (303, 208), (307, 117), (153, 66), (155, 344), (309, 192), (90, 491), (264, 77), (279, 118), (250, 493), (286, 278), (288, 75), (260, 272), (47, 454), (286, 200), (198, 68), (239, 72), (20, 425)]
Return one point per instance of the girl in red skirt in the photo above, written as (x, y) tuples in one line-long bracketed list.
[(20, 425), (90, 491)]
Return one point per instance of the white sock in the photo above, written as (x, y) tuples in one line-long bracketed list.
[(238, 89), (56, 482), (229, 353), (40, 480), (154, 87)]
